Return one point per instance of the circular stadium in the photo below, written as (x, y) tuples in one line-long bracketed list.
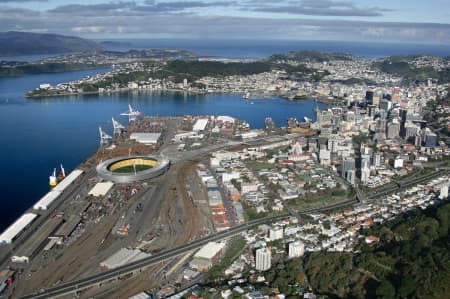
[(128, 169)]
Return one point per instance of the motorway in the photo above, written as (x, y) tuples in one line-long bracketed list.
[(400, 185), (138, 265), (75, 286), (97, 279), (177, 156)]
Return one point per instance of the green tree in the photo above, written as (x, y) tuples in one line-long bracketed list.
[(385, 290), (407, 286), (443, 216)]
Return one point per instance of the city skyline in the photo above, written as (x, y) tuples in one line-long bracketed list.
[(377, 21)]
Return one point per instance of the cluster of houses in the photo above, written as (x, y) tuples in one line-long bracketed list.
[(288, 238)]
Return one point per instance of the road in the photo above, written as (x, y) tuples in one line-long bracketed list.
[(400, 185), (97, 279), (171, 253), (176, 156), (78, 285)]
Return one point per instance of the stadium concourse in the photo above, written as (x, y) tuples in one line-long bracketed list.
[(108, 170)]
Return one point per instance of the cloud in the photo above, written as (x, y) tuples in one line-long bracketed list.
[(182, 5), (94, 9), (129, 19), (21, 1), (322, 8), (133, 8)]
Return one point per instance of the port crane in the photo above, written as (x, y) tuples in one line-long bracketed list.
[(131, 113), (104, 138), (118, 127)]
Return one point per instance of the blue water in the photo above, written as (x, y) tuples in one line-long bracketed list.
[(38, 135), (264, 48)]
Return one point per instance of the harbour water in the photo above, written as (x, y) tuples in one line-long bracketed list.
[(38, 135)]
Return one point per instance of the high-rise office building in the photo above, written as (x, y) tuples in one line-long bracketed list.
[(411, 130), (429, 138), (369, 97), (393, 129), (351, 176), (376, 159), (444, 191), (347, 165), (385, 104), (365, 161), (365, 175)]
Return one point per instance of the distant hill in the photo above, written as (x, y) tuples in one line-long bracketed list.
[(402, 66), (113, 43), (302, 56), (14, 43)]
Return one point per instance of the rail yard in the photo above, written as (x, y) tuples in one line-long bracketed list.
[(131, 217), (87, 218)]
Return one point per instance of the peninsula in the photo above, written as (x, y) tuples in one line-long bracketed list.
[(327, 77), (15, 43)]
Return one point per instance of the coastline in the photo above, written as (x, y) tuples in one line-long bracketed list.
[(69, 123), (320, 99), (109, 92)]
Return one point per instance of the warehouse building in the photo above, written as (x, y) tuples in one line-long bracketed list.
[(48, 199), (122, 257), (101, 189), (15, 229), (207, 256), (146, 138), (200, 125)]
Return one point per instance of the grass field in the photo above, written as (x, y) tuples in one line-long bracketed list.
[(316, 201), (130, 169)]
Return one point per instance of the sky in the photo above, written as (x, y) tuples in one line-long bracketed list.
[(399, 21)]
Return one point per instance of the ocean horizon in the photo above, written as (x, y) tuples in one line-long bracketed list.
[(255, 49), (50, 125), (239, 48)]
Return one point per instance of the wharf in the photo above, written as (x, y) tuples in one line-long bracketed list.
[(158, 209), (37, 240)]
